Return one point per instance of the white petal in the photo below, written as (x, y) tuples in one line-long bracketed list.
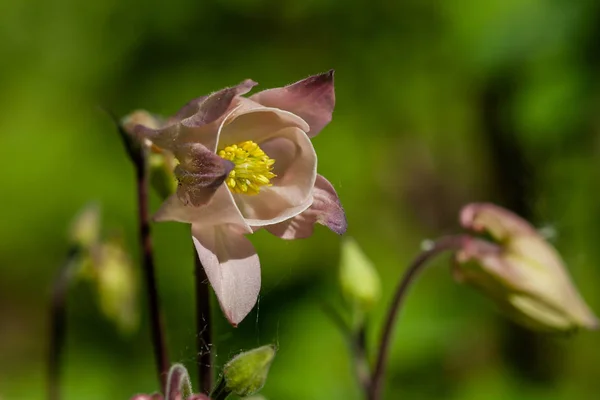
[(296, 169), (250, 121), (325, 209), (232, 267), (221, 209)]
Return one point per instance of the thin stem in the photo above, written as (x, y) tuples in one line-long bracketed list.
[(361, 363), (138, 156), (203, 328), (357, 344), (444, 244), (220, 392), (58, 310), (156, 317)]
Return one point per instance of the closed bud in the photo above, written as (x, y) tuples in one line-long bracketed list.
[(358, 277), (116, 285), (161, 162), (522, 272), (85, 228), (247, 373), (179, 386), (155, 396)]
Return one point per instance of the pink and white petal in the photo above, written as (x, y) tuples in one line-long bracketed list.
[(313, 99), (290, 193), (299, 227), (256, 124), (327, 203), (232, 267), (200, 173), (221, 209), (268, 207), (325, 209)]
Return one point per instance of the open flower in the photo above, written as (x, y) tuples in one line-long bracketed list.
[(246, 164), (521, 271)]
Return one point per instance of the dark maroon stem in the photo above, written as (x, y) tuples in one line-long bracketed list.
[(450, 243), (203, 328), (58, 311), (156, 318), (138, 156)]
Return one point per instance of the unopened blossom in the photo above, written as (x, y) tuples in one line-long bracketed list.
[(160, 161), (246, 373), (247, 163), (158, 396), (520, 270)]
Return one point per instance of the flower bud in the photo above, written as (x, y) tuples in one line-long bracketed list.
[(116, 285), (85, 228), (161, 162), (155, 396), (522, 272), (247, 373), (358, 277), (178, 383)]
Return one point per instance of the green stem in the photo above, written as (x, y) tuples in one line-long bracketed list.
[(221, 392)]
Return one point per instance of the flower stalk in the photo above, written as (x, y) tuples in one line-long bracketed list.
[(449, 243), (139, 157), (58, 310), (357, 344)]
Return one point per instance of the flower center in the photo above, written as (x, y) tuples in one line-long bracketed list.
[(252, 167)]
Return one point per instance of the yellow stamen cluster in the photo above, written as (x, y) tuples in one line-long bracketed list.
[(252, 167)]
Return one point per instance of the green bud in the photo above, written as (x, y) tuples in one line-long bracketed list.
[(116, 285), (247, 373), (162, 178), (85, 228), (358, 277)]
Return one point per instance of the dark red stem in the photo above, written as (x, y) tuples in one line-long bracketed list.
[(156, 317), (450, 243), (58, 311)]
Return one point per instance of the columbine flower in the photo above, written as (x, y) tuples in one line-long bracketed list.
[(246, 164), (520, 271)]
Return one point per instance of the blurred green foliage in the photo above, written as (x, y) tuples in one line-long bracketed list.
[(439, 102)]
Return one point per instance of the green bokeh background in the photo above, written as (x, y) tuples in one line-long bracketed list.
[(439, 103)]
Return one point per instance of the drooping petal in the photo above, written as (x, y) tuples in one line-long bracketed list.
[(200, 173), (232, 267), (325, 209), (312, 98), (290, 193), (202, 121), (221, 209)]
